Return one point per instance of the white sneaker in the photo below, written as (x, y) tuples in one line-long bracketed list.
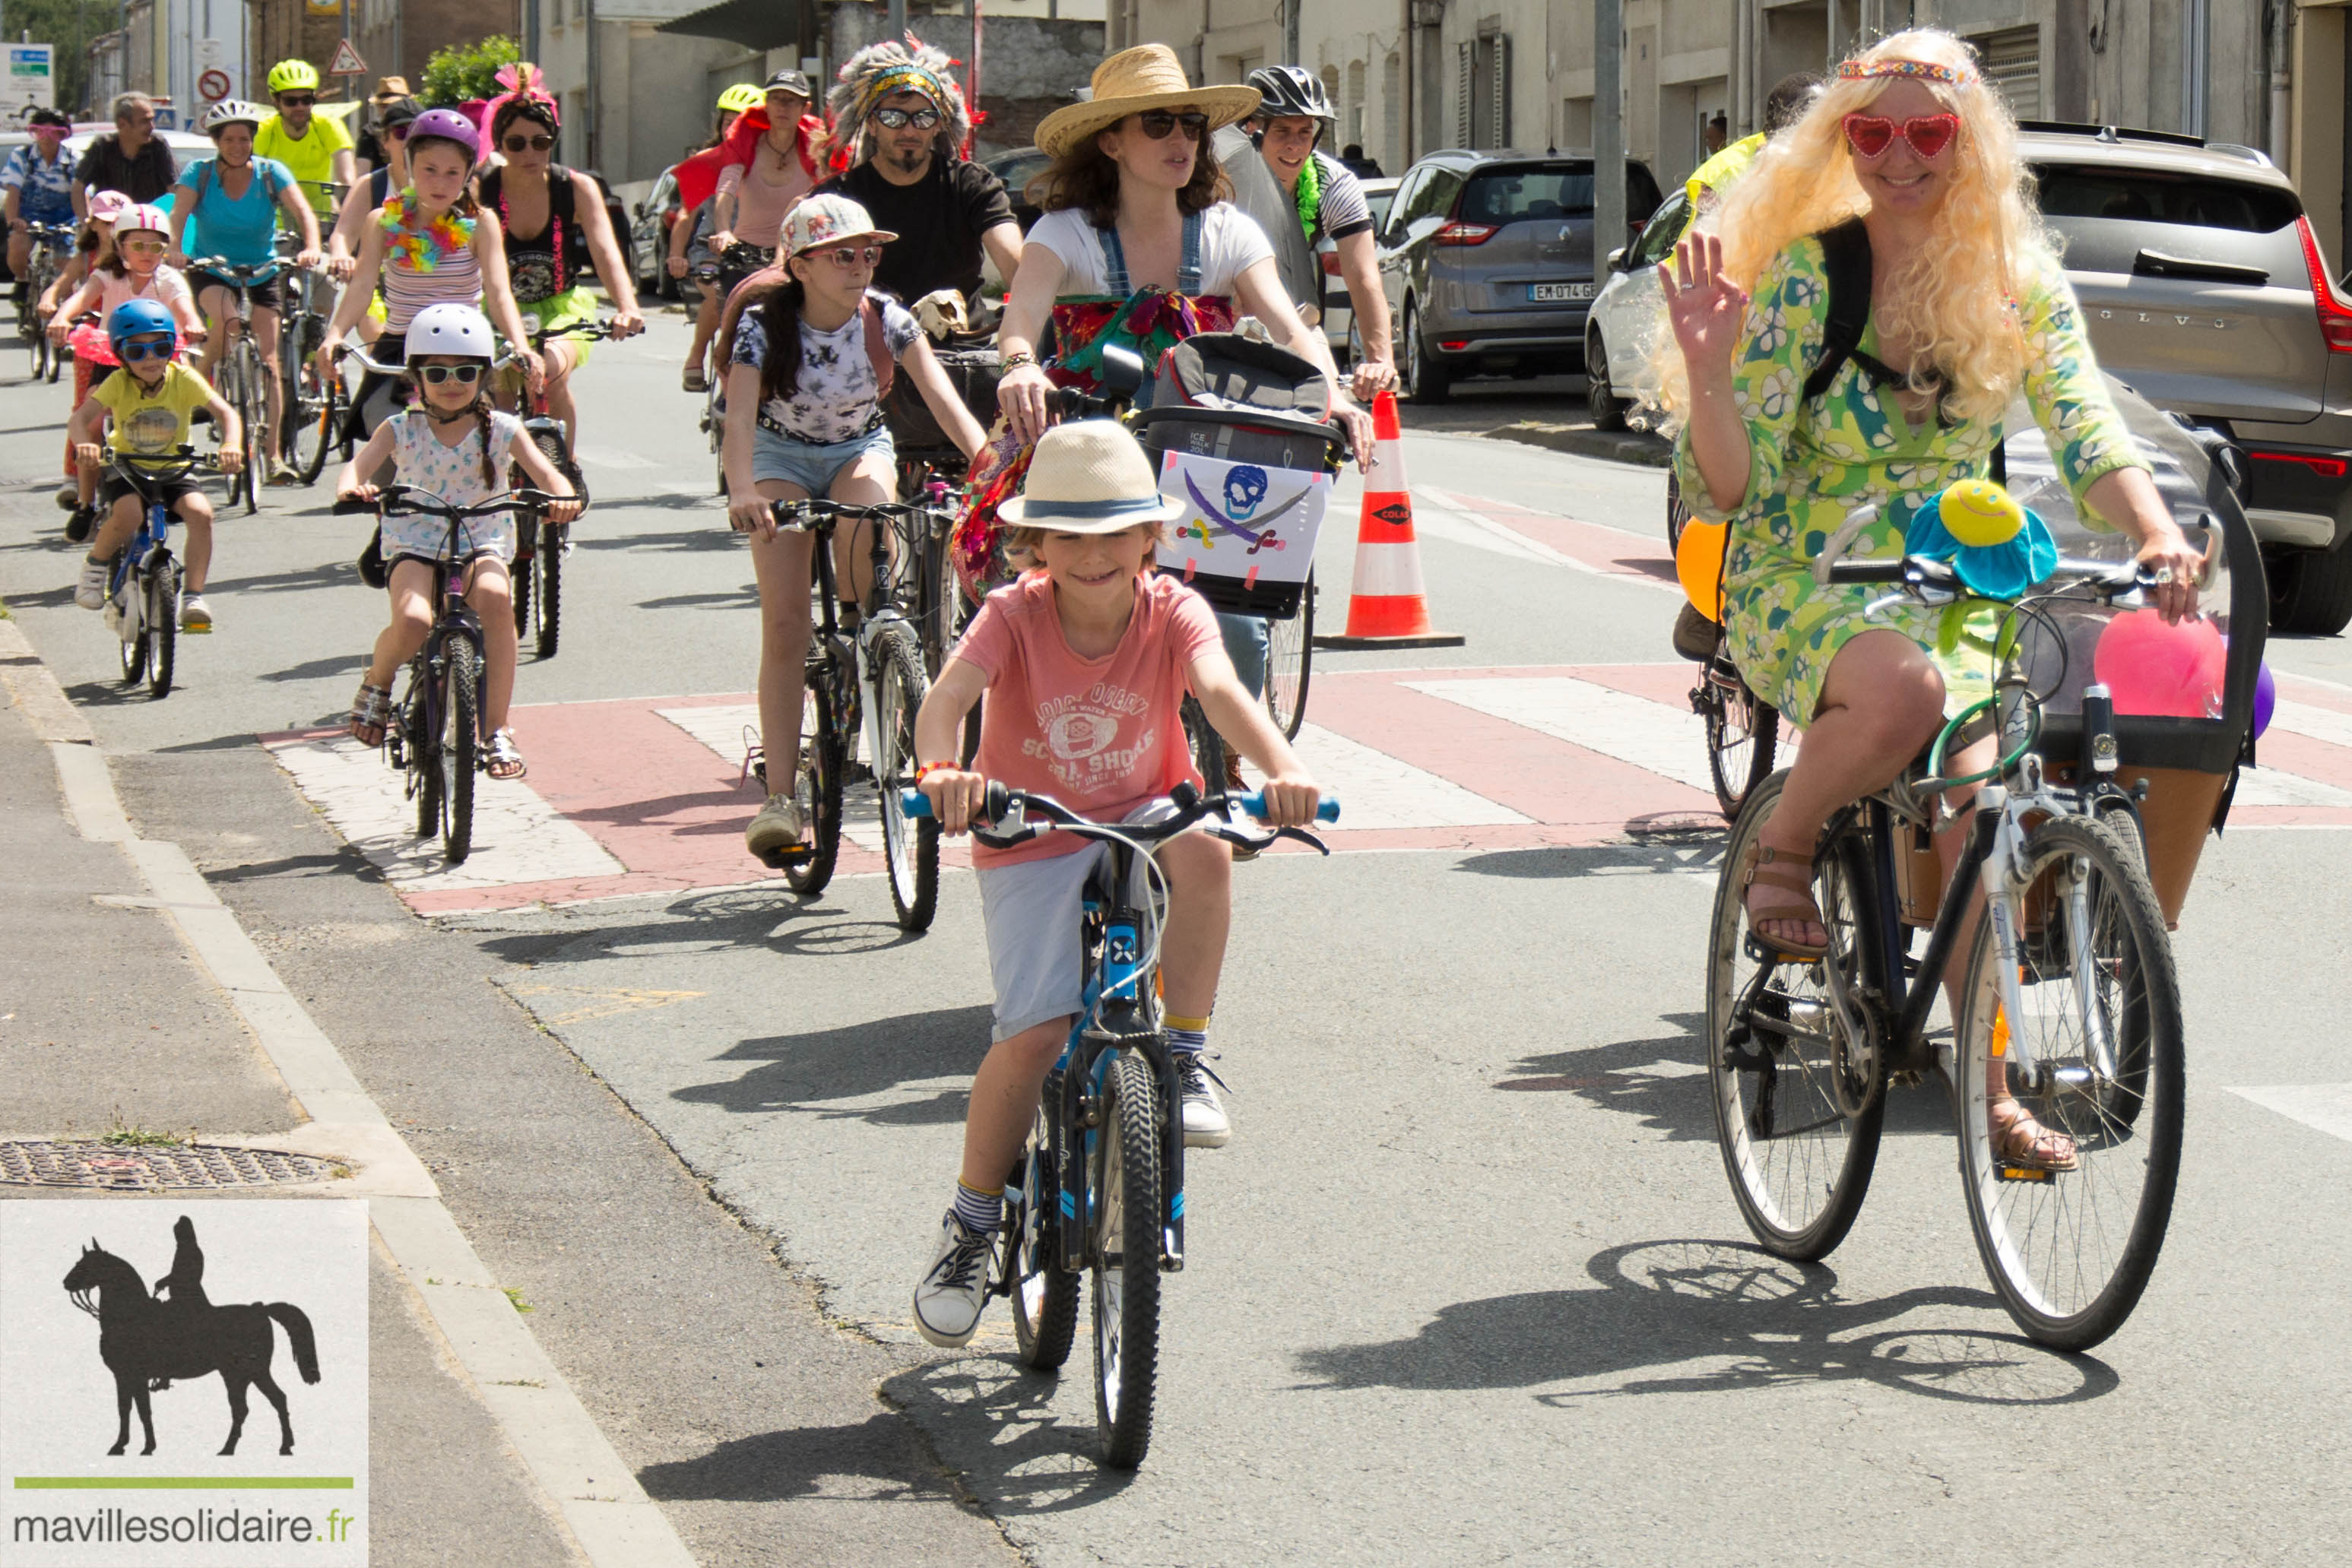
[(954, 1288), (776, 829), (1205, 1125), (90, 589), (196, 615)]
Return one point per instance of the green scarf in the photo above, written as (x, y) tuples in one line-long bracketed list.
[(1310, 194)]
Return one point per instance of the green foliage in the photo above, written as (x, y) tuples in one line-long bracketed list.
[(463, 72), (70, 24)]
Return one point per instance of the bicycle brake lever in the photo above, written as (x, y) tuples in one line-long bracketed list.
[(1304, 837)]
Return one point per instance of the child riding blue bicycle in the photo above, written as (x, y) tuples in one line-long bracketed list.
[(1084, 662)]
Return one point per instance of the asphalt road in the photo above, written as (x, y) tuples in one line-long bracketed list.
[(1467, 1287)]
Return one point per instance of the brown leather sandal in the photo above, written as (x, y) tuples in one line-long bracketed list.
[(1789, 877), (2024, 1141)]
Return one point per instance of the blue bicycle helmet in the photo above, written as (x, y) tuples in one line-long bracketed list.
[(139, 319)]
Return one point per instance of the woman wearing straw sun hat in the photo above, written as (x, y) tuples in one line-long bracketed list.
[(1137, 247)]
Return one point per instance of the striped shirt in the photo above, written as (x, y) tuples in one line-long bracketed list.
[(454, 278)]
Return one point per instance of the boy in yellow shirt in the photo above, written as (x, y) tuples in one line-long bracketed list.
[(151, 400)]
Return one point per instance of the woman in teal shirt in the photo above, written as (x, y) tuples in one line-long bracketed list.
[(235, 199)]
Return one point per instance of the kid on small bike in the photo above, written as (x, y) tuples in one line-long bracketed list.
[(453, 442), (1084, 662), (811, 356), (151, 404)]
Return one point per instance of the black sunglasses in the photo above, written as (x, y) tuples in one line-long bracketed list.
[(291, 101), (1157, 122), (465, 375), (900, 119), (535, 143)]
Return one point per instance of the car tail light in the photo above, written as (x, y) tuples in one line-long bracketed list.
[(2334, 315), (2325, 468), (1465, 234), (1453, 345)]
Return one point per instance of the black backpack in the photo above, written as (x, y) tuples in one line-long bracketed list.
[(1845, 256)]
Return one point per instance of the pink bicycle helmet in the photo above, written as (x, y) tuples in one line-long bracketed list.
[(445, 125)]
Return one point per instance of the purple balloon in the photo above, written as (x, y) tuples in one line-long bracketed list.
[(2265, 698)]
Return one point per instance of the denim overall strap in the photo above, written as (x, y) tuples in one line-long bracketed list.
[(1114, 263), (1188, 272)]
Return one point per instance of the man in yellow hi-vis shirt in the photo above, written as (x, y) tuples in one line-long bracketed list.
[(1783, 106), (315, 147)]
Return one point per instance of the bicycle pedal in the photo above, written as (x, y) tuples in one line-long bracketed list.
[(780, 860), (2023, 1173)]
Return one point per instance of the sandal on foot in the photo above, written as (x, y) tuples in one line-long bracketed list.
[(371, 713), (696, 380), (1788, 876), (503, 758), (2021, 1139)]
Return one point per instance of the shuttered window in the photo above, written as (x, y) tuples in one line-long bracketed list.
[(2013, 61), (1482, 113)]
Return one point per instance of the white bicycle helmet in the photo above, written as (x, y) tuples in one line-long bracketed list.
[(141, 216), (454, 329), (233, 111)]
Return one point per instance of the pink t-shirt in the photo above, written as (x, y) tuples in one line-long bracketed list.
[(1101, 736)]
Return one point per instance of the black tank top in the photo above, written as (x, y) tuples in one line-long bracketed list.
[(546, 265)]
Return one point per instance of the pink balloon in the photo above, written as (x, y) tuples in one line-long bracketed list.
[(2161, 671)]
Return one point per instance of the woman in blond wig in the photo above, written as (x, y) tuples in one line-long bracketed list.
[(1967, 308)]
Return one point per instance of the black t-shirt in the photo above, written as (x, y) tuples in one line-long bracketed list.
[(143, 177), (938, 221)]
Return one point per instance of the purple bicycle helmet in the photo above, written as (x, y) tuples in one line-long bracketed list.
[(445, 125)]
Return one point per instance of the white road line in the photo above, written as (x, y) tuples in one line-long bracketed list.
[(2273, 787), (1664, 740), (730, 730), (1376, 791), (2326, 1106), (2318, 723), (518, 837)]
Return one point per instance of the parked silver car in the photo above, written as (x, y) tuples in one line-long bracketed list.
[(1487, 262)]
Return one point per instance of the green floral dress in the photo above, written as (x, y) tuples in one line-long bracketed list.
[(1812, 464)]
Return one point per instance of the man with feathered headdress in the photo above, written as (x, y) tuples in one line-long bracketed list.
[(902, 134)]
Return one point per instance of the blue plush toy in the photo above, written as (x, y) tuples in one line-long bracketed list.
[(1999, 548)]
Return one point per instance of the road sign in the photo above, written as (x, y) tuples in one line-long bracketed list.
[(31, 81), (347, 61), (213, 86)]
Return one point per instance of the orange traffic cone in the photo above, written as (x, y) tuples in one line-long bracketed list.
[(1389, 608)]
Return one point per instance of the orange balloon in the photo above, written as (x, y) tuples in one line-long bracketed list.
[(1698, 561)]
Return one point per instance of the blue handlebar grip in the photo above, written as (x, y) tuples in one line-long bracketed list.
[(1325, 810), (914, 803)]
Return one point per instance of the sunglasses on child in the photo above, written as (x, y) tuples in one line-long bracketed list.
[(900, 119), (1870, 135), (463, 375), (851, 255), (141, 247), (1157, 122), (539, 143), (139, 351)]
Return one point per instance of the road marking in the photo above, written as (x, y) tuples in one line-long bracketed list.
[(2319, 722), (2270, 787), (518, 836), (601, 1004), (1376, 791), (730, 730), (1632, 730), (609, 458), (2326, 1106)]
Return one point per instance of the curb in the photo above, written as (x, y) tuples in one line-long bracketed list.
[(615, 1524), (1581, 440)]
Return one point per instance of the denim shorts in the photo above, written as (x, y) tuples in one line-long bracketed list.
[(815, 466)]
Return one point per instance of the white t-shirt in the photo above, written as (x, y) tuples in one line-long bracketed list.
[(836, 389), (1230, 244)]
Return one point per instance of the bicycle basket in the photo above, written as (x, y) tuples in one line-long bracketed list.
[(972, 367)]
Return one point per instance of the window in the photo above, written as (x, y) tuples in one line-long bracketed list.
[(2012, 63), (1354, 120), (1392, 110), (2148, 196), (1665, 226), (1482, 104)]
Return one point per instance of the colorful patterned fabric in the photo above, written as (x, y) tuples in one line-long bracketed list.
[(433, 264), (1812, 464), (45, 191)]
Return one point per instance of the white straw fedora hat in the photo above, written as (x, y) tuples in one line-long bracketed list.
[(1089, 476), (1132, 80)]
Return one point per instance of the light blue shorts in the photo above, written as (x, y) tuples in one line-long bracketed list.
[(1030, 910), (815, 466)]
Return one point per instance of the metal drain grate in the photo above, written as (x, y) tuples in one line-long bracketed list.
[(121, 1168)]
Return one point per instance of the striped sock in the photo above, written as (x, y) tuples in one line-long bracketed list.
[(981, 1211), (1185, 1034)]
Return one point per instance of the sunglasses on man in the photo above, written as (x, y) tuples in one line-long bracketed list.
[(463, 375), (900, 119), (1930, 135), (295, 101), (1157, 122), (539, 143)]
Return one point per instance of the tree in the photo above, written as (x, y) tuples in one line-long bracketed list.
[(464, 72), (70, 24)]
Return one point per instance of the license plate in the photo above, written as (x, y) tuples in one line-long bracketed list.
[(1539, 291)]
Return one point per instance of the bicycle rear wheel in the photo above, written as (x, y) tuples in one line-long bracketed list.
[(1743, 735), (164, 624), (1797, 1125), (1127, 1261), (1289, 664), (460, 747), (910, 848), (1044, 1295), (817, 785), (2070, 1252)]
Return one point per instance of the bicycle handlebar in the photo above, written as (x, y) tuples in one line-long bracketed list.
[(407, 500), (1921, 574), (181, 460), (1192, 808), (816, 516)]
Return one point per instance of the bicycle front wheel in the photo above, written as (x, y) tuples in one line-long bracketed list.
[(2097, 1054), (1289, 663), (910, 847), (246, 398), (1796, 1114), (317, 418), (1127, 1261), (136, 633), (461, 738), (163, 622), (1044, 1295)]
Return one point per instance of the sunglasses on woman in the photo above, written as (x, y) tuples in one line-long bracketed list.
[(1157, 122), (533, 144), (1870, 135), (139, 351), (463, 375), (900, 119), (854, 255)]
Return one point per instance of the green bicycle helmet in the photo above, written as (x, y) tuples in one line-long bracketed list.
[(293, 76)]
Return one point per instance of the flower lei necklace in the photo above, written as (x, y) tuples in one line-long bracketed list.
[(427, 248)]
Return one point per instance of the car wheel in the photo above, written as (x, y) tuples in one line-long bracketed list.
[(1607, 408), (2311, 591), (1425, 380)]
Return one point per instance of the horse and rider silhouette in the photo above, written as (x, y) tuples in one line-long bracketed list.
[(147, 1341)]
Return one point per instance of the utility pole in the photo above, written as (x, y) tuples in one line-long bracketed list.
[(897, 24), (1608, 131), (1290, 32)]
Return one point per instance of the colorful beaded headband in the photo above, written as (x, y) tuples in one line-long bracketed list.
[(1918, 71)]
